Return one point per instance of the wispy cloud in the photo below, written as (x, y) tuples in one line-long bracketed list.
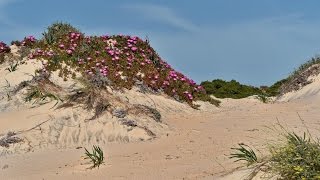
[(162, 14)]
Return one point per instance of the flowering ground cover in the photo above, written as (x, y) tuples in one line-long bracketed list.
[(122, 60)]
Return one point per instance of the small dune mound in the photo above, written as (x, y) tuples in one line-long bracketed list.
[(303, 83), (69, 90)]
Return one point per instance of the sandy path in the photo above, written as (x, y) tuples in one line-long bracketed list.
[(198, 148)]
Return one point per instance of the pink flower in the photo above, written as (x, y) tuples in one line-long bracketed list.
[(69, 51), (30, 56), (165, 83), (134, 48), (61, 46), (32, 38), (80, 61), (111, 52), (50, 53)]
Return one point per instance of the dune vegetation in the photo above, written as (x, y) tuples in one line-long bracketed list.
[(119, 61), (233, 89), (295, 157), (229, 89)]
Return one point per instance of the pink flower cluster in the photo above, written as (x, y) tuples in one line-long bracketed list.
[(29, 40), (74, 38), (131, 42), (4, 48), (123, 59), (42, 53), (188, 95)]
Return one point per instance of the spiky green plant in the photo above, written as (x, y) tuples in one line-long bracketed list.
[(38, 95), (13, 67), (96, 157), (244, 153), (298, 158)]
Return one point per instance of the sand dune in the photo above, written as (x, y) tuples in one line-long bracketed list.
[(309, 91), (196, 147), (184, 144)]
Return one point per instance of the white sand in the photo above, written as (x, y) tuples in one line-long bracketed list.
[(190, 144)]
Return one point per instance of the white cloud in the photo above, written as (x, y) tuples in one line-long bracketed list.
[(162, 14)]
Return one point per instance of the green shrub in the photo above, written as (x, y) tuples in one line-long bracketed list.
[(274, 90), (298, 158), (232, 89), (56, 31)]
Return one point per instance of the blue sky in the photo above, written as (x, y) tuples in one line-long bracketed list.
[(253, 41)]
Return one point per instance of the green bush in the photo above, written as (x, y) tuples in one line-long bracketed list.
[(298, 158), (56, 31), (274, 90), (232, 89)]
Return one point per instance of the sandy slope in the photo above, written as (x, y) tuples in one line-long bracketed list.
[(309, 91), (197, 148), (187, 144)]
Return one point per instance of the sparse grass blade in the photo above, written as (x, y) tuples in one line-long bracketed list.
[(36, 94), (96, 157), (244, 153), (12, 67)]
